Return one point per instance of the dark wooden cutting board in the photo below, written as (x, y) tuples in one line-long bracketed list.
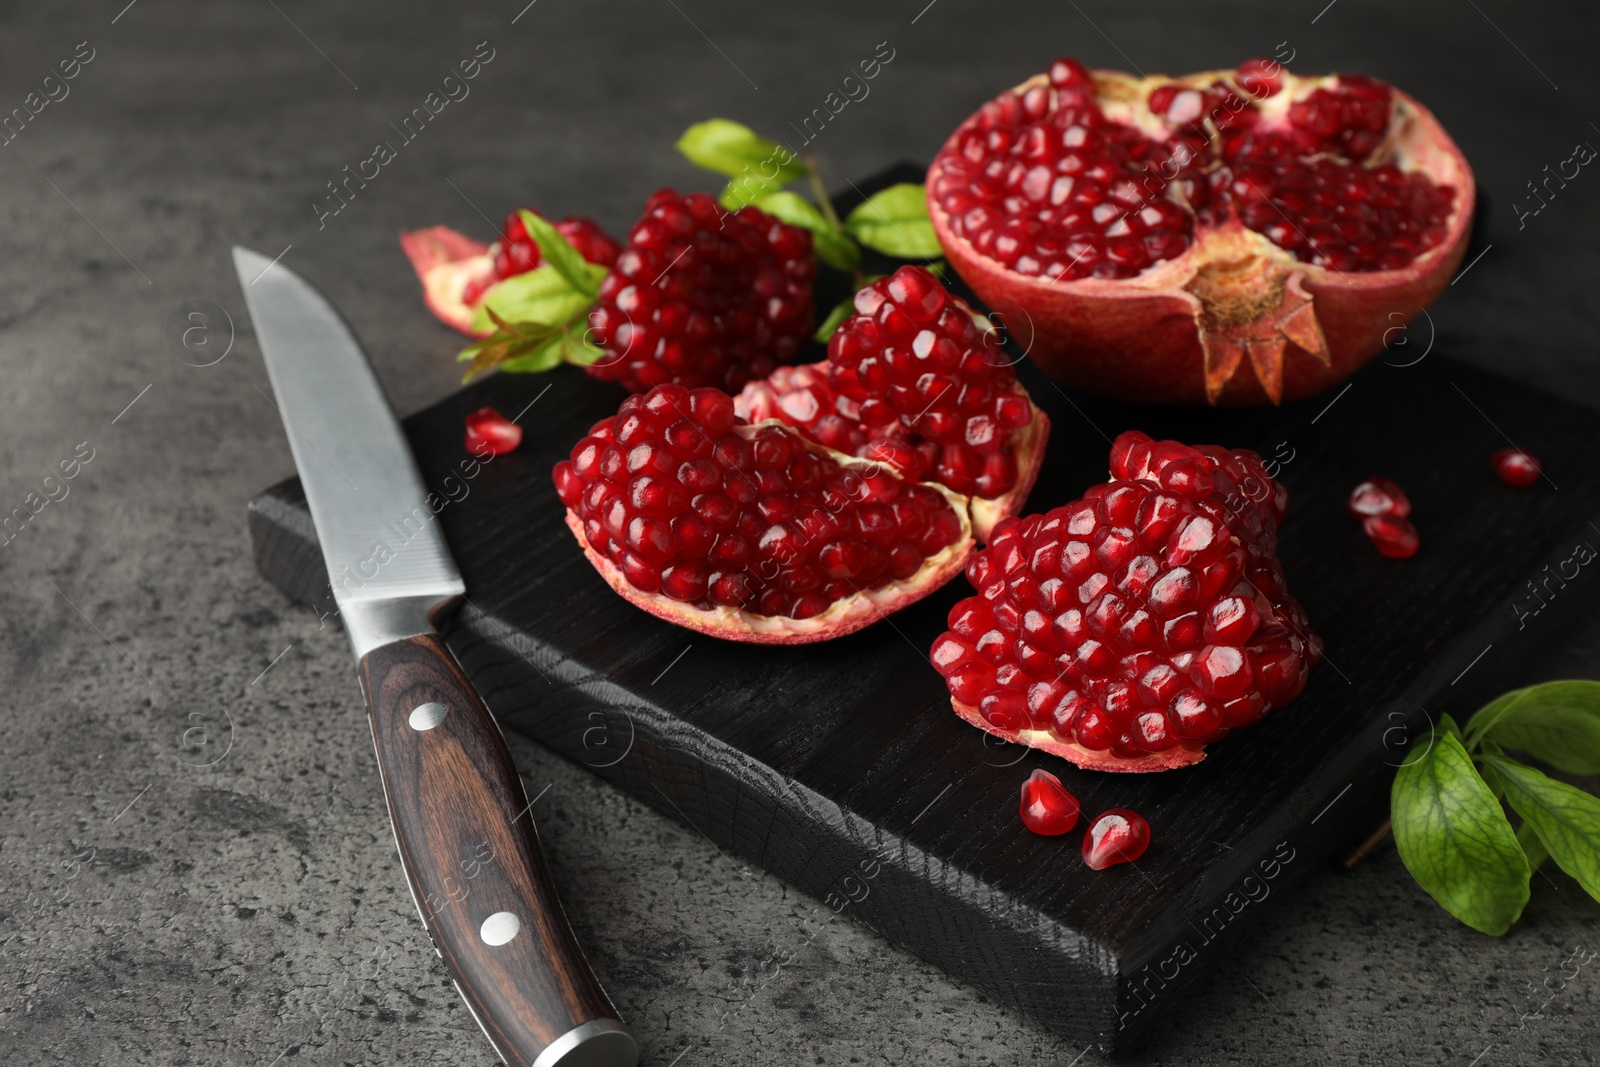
[(841, 768)]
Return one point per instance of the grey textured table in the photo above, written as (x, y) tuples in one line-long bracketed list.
[(194, 861)]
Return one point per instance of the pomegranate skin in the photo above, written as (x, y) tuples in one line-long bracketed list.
[(1145, 338)]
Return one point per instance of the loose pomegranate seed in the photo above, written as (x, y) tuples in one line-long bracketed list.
[(1516, 467), (1378, 496), (701, 296), (1117, 836), (1150, 615), (1392, 535), (690, 502), (491, 433), (1047, 808), (1046, 184)]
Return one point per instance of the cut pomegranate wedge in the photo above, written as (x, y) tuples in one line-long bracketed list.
[(1224, 237), (916, 380), (451, 266), (1128, 630), (752, 532)]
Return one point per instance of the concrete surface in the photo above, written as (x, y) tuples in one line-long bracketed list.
[(194, 862)]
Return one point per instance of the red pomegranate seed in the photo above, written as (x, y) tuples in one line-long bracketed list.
[(1392, 535), (490, 433), (1379, 496), (1118, 836), (1516, 467), (1047, 808), (1260, 78)]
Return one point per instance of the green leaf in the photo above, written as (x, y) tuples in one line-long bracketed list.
[(1566, 818), (1455, 839), (841, 311), (513, 346), (1557, 722), (1532, 847), (895, 222), (833, 245), (537, 359), (540, 295), (555, 250), (734, 149), (577, 349)]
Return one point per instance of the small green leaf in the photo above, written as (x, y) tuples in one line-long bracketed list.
[(540, 295), (895, 222), (833, 245), (1455, 839), (1557, 722), (1566, 818), (736, 150), (1532, 847), (555, 250), (537, 359), (578, 350), (841, 311)]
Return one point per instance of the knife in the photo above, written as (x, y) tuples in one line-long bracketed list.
[(460, 817)]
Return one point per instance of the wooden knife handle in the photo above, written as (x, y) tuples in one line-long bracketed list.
[(467, 843)]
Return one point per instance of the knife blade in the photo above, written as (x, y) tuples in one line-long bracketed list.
[(460, 817)]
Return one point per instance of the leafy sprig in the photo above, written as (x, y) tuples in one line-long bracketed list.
[(1448, 803), (537, 319), (893, 221)]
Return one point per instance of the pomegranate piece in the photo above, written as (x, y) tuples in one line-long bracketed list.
[(1378, 496), (913, 380), (449, 265), (517, 253), (700, 296), (752, 533), (1128, 630), (1047, 808), (1117, 836), (1232, 237), (490, 433), (1516, 467), (1392, 535)]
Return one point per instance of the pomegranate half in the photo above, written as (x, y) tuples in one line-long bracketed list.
[(1231, 238)]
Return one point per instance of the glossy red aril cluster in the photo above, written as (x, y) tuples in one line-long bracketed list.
[(1046, 807), (1046, 184), (689, 502), (1516, 467), (928, 384), (491, 433), (703, 297), (1129, 629), (1117, 836), (1383, 507), (915, 380)]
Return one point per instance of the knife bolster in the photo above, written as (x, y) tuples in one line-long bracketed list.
[(371, 624)]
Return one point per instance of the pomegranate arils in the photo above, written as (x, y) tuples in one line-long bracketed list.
[(1047, 808), (1379, 496), (1116, 836), (1516, 467), (491, 433), (1392, 535), (1055, 189), (701, 296), (687, 501), (1127, 630), (914, 380)]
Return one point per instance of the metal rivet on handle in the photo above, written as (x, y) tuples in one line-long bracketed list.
[(499, 928), (427, 716)]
